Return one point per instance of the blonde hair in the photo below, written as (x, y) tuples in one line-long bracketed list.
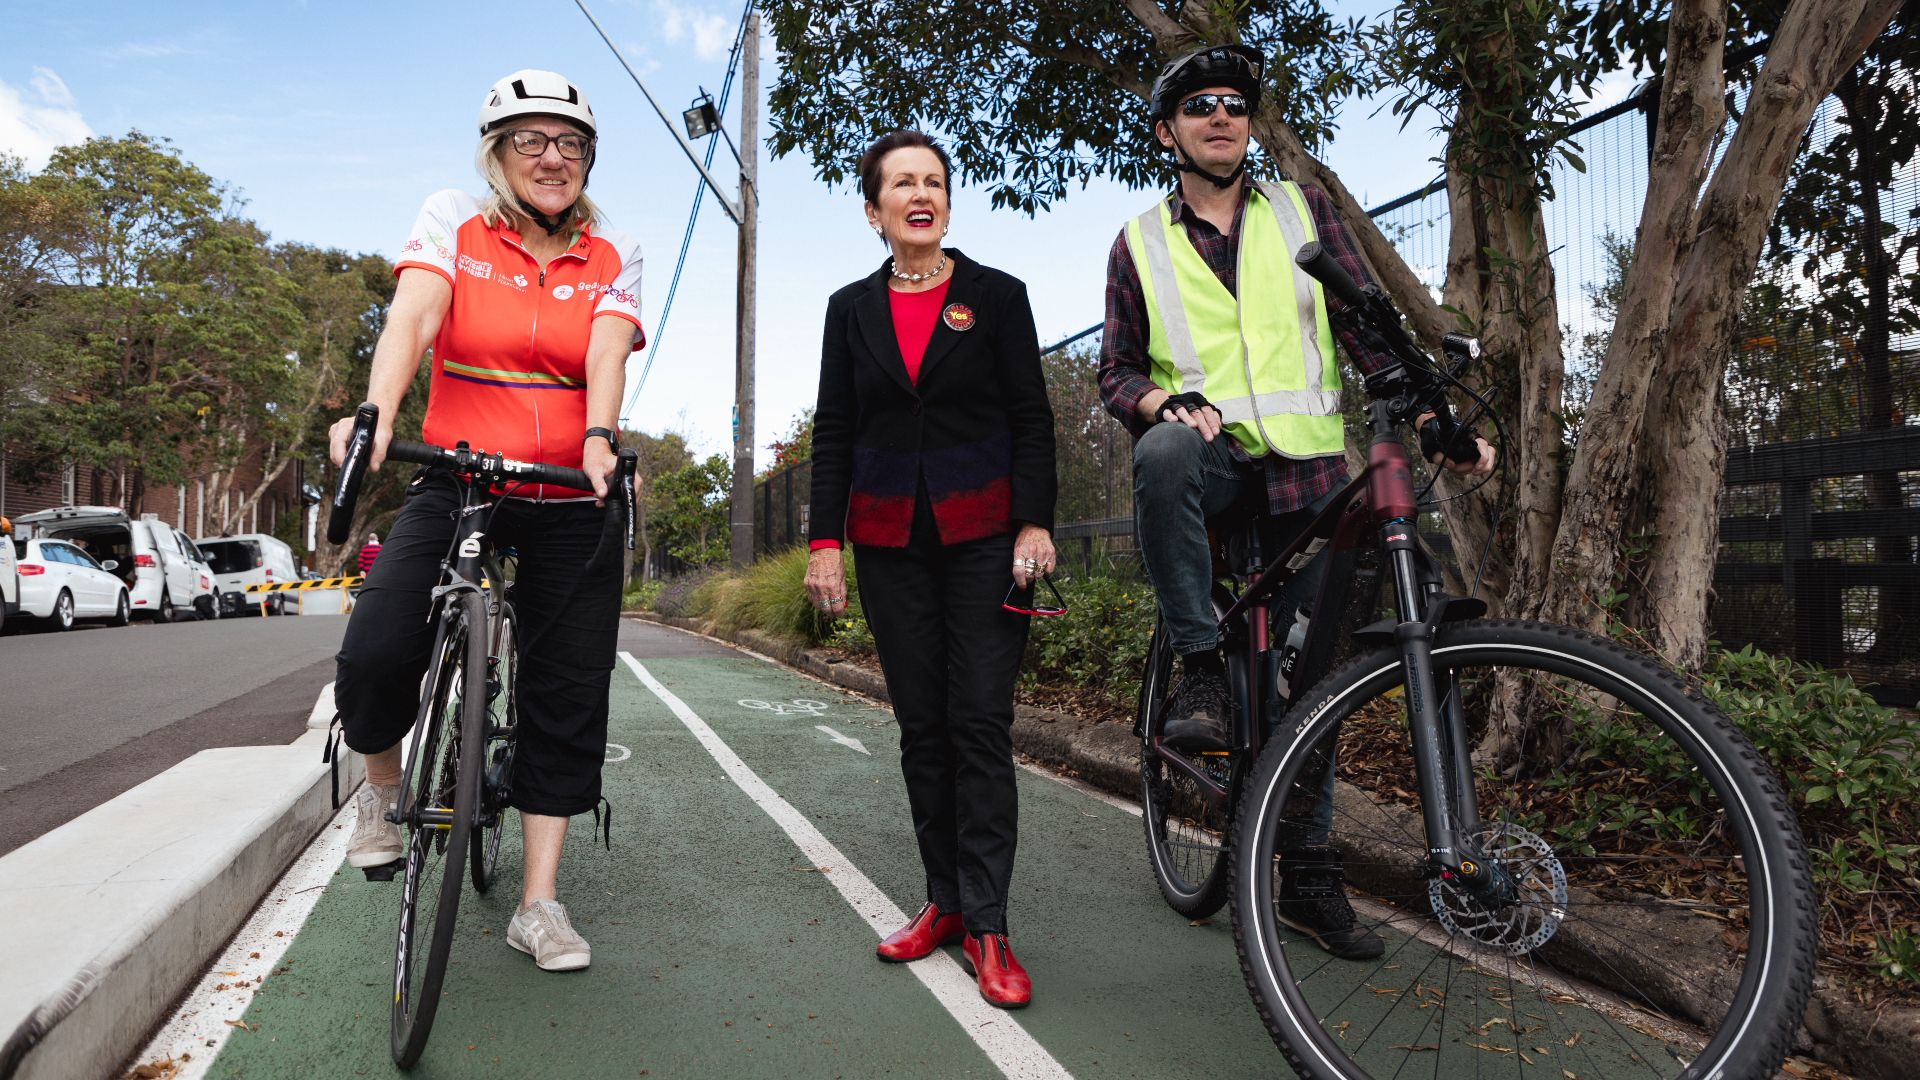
[(502, 206)]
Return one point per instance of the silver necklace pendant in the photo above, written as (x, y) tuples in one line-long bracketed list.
[(935, 272)]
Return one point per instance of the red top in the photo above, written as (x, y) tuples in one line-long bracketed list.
[(510, 362), (913, 317), (914, 314)]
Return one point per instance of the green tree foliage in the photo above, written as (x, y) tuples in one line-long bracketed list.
[(1093, 454), (40, 223), (687, 511), (1034, 95)]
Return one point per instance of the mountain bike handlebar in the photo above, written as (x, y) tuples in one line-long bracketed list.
[(1415, 384), (484, 467)]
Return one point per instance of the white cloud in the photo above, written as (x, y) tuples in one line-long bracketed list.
[(35, 120), (712, 35)]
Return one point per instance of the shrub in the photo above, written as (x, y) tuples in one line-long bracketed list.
[(770, 595), (676, 595), (1099, 644), (1846, 761)]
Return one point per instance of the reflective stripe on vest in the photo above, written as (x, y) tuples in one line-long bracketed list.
[(1268, 367)]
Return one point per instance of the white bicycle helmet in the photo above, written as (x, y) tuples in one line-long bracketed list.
[(535, 93)]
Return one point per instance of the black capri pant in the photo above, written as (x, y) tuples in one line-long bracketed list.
[(569, 629)]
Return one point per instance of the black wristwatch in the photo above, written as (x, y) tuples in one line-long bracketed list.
[(613, 440)]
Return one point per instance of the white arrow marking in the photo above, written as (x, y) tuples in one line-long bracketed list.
[(841, 739)]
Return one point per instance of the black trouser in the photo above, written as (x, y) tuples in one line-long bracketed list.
[(951, 654), (569, 630)]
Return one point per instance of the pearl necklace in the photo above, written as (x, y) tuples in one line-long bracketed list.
[(933, 273)]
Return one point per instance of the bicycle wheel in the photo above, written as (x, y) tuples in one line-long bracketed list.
[(449, 729), (496, 783), (1186, 832), (1659, 916)]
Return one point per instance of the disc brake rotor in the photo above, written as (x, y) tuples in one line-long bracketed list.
[(1541, 883)]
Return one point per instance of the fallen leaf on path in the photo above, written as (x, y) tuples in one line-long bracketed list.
[(1201, 922)]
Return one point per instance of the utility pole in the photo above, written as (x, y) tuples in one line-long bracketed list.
[(742, 511)]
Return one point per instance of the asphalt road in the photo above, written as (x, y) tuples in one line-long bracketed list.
[(87, 714)]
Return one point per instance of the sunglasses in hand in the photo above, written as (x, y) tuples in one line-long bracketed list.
[(1059, 606)]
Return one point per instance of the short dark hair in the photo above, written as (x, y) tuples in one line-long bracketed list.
[(887, 144)]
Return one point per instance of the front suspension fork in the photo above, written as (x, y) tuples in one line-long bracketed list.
[(1436, 724)]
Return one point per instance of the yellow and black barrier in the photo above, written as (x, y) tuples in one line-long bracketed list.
[(297, 586)]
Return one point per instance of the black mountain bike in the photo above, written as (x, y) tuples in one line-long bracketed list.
[(459, 768), (1580, 866)]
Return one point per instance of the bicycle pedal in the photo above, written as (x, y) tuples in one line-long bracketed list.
[(385, 871)]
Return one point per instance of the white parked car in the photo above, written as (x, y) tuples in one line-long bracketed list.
[(250, 559), (150, 561), (59, 583)]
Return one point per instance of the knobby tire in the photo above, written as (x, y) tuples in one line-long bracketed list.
[(1628, 781)]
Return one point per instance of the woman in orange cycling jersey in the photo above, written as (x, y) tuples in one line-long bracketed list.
[(531, 309)]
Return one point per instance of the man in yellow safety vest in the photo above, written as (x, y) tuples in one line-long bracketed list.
[(1219, 358)]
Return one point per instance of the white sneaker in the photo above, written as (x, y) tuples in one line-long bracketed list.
[(541, 931), (376, 841)]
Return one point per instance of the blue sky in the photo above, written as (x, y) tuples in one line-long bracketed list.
[(335, 121)]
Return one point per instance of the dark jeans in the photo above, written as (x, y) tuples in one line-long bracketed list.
[(568, 627), (951, 654), (1179, 481)]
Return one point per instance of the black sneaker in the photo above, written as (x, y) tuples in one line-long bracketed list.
[(1200, 716), (1314, 902)]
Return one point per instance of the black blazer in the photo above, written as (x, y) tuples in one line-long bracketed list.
[(977, 426)]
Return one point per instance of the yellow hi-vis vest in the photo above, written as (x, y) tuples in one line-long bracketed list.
[(1264, 357)]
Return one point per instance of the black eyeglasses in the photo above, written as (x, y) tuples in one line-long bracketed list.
[(1059, 606), (1204, 104), (572, 147)]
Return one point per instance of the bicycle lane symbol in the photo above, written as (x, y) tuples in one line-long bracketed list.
[(616, 748), (796, 707)]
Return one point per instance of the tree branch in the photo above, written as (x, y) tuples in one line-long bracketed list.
[(1168, 34)]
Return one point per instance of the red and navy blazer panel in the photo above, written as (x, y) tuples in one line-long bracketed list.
[(976, 428)]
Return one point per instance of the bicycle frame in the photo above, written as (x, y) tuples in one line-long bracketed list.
[(470, 565), (1375, 510)]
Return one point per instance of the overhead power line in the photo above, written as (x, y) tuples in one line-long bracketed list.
[(693, 216)]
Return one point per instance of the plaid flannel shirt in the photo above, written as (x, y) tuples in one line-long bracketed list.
[(1125, 368)]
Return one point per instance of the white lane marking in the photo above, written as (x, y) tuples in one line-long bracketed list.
[(198, 1026), (843, 740), (1084, 788), (624, 752), (1008, 1045)]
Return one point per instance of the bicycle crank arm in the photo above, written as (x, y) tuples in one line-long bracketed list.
[(1216, 795)]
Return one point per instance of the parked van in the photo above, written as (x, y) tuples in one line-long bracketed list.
[(249, 559), (150, 559)]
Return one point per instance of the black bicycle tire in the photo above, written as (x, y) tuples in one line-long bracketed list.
[(1190, 900), (410, 1030), (1770, 998), (485, 838)]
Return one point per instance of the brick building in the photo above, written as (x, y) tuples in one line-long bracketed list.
[(186, 508)]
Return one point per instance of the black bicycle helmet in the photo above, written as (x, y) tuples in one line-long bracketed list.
[(1238, 66)]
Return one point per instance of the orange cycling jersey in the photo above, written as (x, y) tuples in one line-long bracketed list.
[(510, 361)]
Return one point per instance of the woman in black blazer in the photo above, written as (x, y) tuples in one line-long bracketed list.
[(933, 455)]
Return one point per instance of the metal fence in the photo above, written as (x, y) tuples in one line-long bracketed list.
[(780, 502)]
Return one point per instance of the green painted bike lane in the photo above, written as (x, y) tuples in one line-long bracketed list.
[(719, 951)]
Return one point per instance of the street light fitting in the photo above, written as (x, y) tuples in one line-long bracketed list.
[(702, 119)]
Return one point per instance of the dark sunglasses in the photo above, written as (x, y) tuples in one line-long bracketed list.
[(1059, 606), (1204, 104), (572, 147)]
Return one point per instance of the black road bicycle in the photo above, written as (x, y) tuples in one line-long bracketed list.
[(1579, 865), (459, 767)]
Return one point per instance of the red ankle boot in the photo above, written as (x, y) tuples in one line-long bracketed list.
[(1003, 982), (923, 933)]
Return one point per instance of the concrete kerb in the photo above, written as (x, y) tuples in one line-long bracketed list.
[(118, 911), (1871, 1044)]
